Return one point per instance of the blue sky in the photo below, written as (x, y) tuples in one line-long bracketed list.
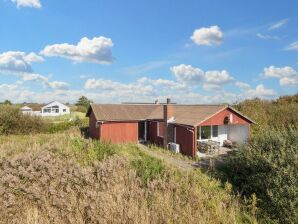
[(114, 51)]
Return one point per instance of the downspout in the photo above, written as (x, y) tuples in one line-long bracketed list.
[(193, 137)]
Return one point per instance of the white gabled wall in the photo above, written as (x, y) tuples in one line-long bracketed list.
[(61, 106), (238, 133)]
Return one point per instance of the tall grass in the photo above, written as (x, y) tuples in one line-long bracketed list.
[(63, 178)]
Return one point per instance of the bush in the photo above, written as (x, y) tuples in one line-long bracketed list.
[(86, 152), (12, 121), (267, 166), (148, 168), (58, 127)]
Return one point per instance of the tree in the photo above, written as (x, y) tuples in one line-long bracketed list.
[(7, 102), (84, 101)]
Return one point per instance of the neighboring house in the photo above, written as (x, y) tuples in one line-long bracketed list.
[(54, 108), (26, 110), (162, 124)]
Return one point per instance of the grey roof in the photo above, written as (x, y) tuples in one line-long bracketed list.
[(190, 115)]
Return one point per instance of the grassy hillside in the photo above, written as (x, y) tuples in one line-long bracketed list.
[(63, 178)]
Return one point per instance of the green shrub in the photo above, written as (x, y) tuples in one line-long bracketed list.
[(12, 121), (87, 152), (267, 166), (58, 127), (148, 168)]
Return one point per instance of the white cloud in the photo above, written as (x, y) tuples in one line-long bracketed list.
[(279, 24), (276, 72), (212, 87), (187, 73), (163, 83), (242, 85), (292, 47), (97, 50), (58, 85), (261, 92), (267, 37), (208, 36), (287, 75), (218, 77), (118, 88), (44, 80), (27, 3), (17, 61), (289, 81)]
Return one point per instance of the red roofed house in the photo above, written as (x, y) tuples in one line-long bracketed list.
[(162, 124)]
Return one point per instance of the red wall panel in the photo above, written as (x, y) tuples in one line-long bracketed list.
[(218, 119), (119, 132), (185, 137)]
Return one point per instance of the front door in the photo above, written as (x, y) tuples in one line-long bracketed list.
[(141, 135)]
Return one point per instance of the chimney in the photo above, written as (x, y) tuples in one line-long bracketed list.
[(168, 113)]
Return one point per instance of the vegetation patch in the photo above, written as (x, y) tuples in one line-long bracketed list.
[(148, 168), (12, 121), (64, 178)]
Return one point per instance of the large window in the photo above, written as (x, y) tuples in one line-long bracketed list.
[(205, 132), (215, 131)]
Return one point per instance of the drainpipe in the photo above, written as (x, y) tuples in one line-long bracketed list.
[(193, 136)]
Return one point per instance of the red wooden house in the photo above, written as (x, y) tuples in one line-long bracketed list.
[(162, 124)]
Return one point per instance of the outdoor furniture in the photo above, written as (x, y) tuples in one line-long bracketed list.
[(209, 147)]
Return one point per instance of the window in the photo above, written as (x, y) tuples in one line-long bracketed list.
[(64, 110), (159, 129), (205, 132), (215, 131), (47, 110)]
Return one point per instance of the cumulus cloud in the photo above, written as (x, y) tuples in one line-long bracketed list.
[(97, 50), (278, 24), (191, 75), (208, 36), (44, 80), (19, 64), (292, 47), (17, 61), (187, 73), (287, 75), (27, 3), (218, 77), (261, 92)]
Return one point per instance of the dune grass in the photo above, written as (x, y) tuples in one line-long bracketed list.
[(64, 178)]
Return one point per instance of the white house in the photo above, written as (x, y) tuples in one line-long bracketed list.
[(26, 110), (54, 108)]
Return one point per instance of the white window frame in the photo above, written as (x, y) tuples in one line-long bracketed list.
[(158, 134), (174, 134)]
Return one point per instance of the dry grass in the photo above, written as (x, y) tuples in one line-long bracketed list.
[(62, 178)]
